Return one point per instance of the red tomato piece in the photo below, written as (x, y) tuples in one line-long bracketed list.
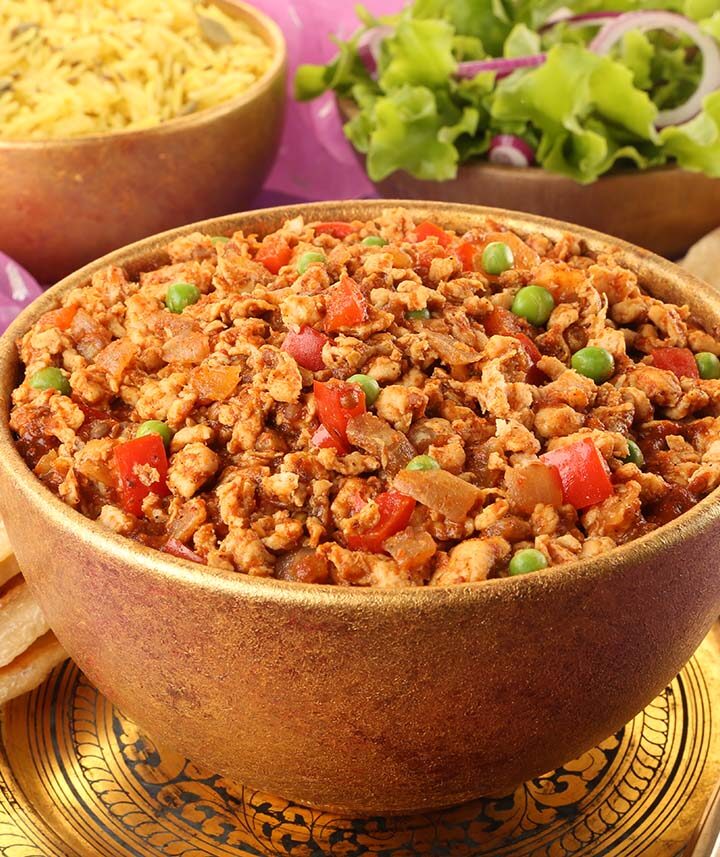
[(466, 254), (306, 346), (274, 253), (395, 512), (335, 228), (502, 322), (680, 361), (61, 318), (583, 473), (337, 403), (132, 458), (322, 439), (346, 305), (426, 229), (176, 548)]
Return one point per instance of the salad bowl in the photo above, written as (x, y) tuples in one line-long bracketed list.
[(360, 699)]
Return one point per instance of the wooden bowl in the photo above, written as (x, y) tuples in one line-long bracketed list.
[(665, 209), (67, 202), (367, 700)]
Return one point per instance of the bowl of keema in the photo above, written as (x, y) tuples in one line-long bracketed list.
[(378, 506)]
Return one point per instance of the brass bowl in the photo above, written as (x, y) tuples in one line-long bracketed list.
[(665, 209), (67, 202), (367, 700)]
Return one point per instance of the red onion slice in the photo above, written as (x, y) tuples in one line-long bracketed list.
[(643, 21), (510, 150), (368, 46), (502, 67), (585, 19)]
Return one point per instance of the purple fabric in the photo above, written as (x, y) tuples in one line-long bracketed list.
[(17, 290), (316, 161)]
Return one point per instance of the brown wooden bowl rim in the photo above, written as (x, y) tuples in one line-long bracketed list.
[(701, 517), (273, 36)]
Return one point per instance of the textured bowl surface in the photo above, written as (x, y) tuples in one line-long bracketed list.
[(67, 202), (360, 699)]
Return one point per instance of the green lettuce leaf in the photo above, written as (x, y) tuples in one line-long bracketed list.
[(583, 104), (419, 54), (409, 130), (696, 144), (521, 42)]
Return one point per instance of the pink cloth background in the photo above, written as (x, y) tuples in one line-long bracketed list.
[(315, 160)]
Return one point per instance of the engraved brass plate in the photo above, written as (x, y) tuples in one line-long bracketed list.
[(77, 779)]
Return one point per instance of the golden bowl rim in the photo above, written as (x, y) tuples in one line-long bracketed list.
[(124, 551), (273, 36)]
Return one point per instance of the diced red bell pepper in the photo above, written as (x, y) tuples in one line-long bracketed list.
[(305, 346), (337, 229), (395, 512), (61, 318), (583, 472), (426, 229), (337, 403), (176, 548), (274, 253), (502, 322), (322, 438), (466, 253), (133, 459), (345, 306), (680, 361)]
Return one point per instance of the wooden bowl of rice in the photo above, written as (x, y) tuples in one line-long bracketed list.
[(155, 114)]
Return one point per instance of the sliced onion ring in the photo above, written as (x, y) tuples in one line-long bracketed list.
[(643, 21), (511, 150), (585, 19), (368, 46), (502, 67)]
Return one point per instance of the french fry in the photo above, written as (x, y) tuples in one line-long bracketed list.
[(21, 621), (31, 668)]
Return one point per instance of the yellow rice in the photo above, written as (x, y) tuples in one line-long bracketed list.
[(73, 68)]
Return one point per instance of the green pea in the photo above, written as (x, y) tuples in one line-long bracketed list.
[(423, 462), (420, 314), (181, 295), (369, 386), (308, 259), (374, 241), (497, 257), (526, 561), (51, 378), (708, 365), (220, 239), (156, 427), (533, 303), (594, 362), (635, 455)]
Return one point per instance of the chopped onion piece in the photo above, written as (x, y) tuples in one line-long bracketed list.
[(511, 150), (440, 491), (612, 32)]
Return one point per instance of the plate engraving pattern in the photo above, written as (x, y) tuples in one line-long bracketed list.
[(77, 779)]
